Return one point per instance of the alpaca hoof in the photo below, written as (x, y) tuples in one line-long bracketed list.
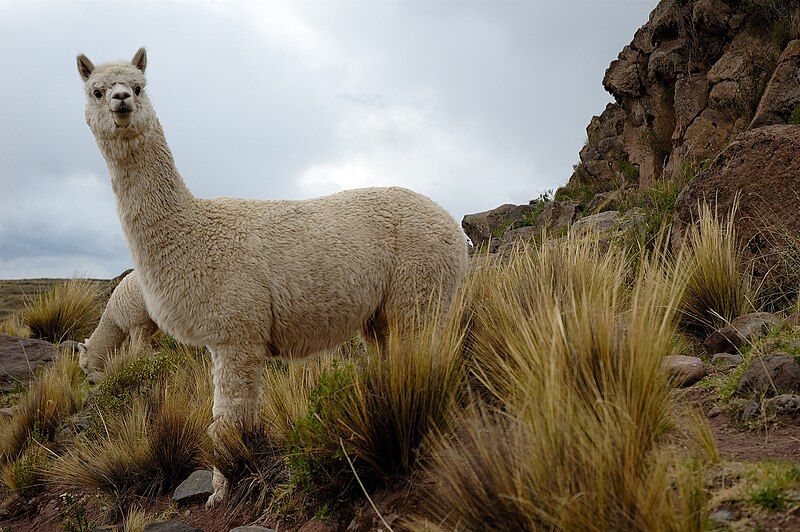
[(217, 497)]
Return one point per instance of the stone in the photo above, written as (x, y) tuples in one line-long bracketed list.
[(195, 488), (481, 227), (665, 20), (69, 345), (731, 66), (711, 17), (622, 79), (771, 375), (683, 370), (171, 526), (707, 135), (724, 95), (782, 94), (758, 167), (721, 517), (746, 328), (751, 410), (726, 359), (667, 62), (785, 404), (595, 223), (691, 97), (252, 528), (21, 357)]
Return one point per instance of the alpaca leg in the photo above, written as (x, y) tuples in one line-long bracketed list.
[(376, 330), (238, 374)]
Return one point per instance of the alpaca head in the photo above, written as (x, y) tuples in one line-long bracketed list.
[(89, 360), (116, 102)]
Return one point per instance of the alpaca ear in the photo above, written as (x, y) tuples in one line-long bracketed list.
[(140, 59), (85, 67)]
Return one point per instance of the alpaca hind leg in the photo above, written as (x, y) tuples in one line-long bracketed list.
[(376, 330), (238, 376)]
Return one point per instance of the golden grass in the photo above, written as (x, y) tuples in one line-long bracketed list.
[(570, 346), (718, 290), (67, 311), (14, 326), (158, 440), (51, 398)]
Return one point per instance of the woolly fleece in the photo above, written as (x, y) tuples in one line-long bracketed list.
[(125, 315)]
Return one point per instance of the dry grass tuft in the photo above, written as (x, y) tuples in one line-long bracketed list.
[(570, 344), (149, 448), (718, 290), (383, 410), (68, 311), (54, 396), (14, 326)]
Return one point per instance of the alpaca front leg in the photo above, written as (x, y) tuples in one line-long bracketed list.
[(237, 375)]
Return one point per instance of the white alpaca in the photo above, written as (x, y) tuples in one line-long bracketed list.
[(251, 279), (125, 315)]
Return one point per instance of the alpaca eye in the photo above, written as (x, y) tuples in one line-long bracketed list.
[(136, 90), (98, 94)]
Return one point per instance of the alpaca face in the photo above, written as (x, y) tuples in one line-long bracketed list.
[(88, 360), (116, 102)]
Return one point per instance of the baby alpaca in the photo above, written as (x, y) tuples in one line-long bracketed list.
[(125, 315), (252, 279)]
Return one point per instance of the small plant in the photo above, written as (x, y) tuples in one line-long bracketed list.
[(794, 119), (73, 513), (68, 311), (769, 497)]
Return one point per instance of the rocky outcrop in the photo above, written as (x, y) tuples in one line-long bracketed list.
[(20, 358), (782, 96), (688, 83), (683, 370), (759, 172), (744, 329)]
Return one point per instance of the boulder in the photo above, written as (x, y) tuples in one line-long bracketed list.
[(726, 359), (746, 328), (724, 95), (602, 201), (252, 528), (786, 404), (667, 62), (771, 375), (758, 167), (706, 136), (595, 223), (731, 66), (622, 79), (683, 370), (197, 487), (21, 357), (782, 95), (485, 226), (691, 97)]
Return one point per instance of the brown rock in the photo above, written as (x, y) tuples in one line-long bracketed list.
[(691, 97), (726, 359), (595, 223), (482, 226), (711, 16), (724, 95), (774, 374), (623, 80), (731, 66), (667, 62), (21, 357), (746, 328), (782, 94), (683, 370), (706, 136), (555, 217), (760, 166)]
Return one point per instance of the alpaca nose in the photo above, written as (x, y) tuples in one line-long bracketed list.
[(120, 94)]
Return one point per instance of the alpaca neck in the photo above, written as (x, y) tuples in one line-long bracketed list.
[(152, 199)]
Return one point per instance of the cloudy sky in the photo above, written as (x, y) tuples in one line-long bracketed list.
[(473, 103)]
